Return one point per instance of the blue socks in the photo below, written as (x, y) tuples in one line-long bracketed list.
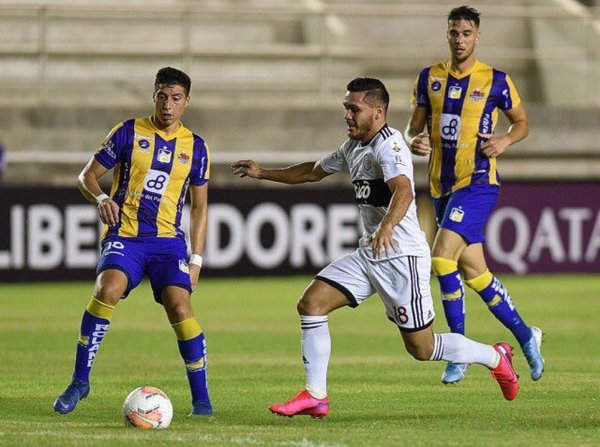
[(453, 293), (500, 304), (94, 326), (192, 348)]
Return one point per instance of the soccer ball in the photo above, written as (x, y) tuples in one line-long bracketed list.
[(147, 407)]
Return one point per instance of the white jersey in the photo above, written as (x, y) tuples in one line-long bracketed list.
[(386, 156)]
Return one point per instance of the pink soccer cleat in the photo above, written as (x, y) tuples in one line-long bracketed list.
[(302, 403), (504, 373)]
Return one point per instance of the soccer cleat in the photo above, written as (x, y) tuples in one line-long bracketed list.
[(302, 404), (504, 373), (532, 351), (201, 408), (454, 373), (67, 401)]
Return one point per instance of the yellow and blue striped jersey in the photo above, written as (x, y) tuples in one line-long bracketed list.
[(458, 107), (152, 172)]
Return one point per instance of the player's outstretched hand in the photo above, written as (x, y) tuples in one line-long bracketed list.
[(420, 145), (246, 168), (108, 211)]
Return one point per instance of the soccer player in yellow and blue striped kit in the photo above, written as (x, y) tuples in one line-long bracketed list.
[(156, 160), (458, 101)]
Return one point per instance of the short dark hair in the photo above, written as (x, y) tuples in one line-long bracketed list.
[(172, 76), (464, 13), (376, 91)]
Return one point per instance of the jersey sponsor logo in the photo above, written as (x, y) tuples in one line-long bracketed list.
[(203, 162), (183, 158), (436, 86), (476, 95), (108, 148), (486, 123), (372, 192), (164, 155), (156, 181), (396, 147), (450, 126), (144, 144), (454, 92), (506, 98), (456, 215)]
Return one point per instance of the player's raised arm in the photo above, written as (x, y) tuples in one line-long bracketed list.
[(306, 172), (87, 182)]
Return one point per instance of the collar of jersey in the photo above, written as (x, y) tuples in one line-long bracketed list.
[(462, 75), (162, 134)]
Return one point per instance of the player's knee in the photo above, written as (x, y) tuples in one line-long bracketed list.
[(308, 304), (179, 312), (108, 294), (305, 306), (421, 352)]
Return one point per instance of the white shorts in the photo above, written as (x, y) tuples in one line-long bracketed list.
[(402, 283)]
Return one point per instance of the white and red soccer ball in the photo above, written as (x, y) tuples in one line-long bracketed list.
[(147, 407)]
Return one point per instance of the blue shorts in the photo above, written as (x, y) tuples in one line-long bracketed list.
[(163, 260), (467, 210)]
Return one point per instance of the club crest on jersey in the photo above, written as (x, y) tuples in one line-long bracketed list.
[(454, 92), (456, 215), (164, 155), (368, 163), (476, 95), (183, 158)]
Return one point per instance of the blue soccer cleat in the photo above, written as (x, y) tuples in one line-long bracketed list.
[(532, 351), (67, 401), (201, 408), (454, 373)]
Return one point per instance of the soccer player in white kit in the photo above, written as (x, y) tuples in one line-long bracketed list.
[(392, 259)]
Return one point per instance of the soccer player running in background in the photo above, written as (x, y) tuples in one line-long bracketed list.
[(156, 160), (392, 260), (459, 100)]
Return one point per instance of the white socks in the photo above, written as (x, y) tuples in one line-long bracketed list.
[(316, 349), (457, 348)]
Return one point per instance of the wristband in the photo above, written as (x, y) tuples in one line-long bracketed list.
[(196, 259), (101, 198)]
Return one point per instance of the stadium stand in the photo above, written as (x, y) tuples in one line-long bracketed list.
[(268, 76)]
